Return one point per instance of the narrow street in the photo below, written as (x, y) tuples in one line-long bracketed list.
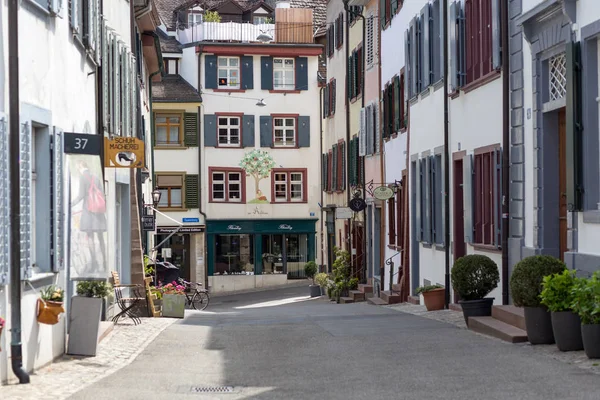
[(281, 345)]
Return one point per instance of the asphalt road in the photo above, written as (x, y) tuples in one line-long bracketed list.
[(282, 345)]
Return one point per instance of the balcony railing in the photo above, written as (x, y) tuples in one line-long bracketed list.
[(226, 32)]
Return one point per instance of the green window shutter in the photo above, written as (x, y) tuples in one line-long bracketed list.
[(382, 17), (573, 114), (192, 192), (333, 94), (190, 121), (334, 167), (396, 101), (344, 161)]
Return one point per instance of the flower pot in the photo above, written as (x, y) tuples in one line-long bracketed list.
[(566, 326), (434, 299), (476, 308), (315, 290), (591, 340), (538, 323), (84, 325), (49, 312), (323, 291), (173, 305)]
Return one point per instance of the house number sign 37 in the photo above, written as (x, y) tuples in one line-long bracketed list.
[(83, 143)]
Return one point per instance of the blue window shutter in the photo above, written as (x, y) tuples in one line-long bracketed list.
[(266, 73), (413, 58), (496, 46), (210, 72), (266, 131), (407, 60), (440, 39), (453, 15), (419, 200), (574, 158), (304, 131), (210, 130), (439, 199), (428, 201), (248, 131), (382, 15), (247, 72), (468, 197), (433, 172), (26, 180), (301, 73), (59, 205), (425, 42)]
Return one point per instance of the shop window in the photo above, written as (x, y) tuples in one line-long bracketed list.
[(229, 72), (273, 253), (171, 189), (283, 74), (227, 185), (229, 131), (284, 132), (289, 186), (168, 129), (234, 255)]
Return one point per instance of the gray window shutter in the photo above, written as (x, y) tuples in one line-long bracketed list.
[(333, 96), (210, 130), (425, 46), (413, 58), (497, 185), (266, 131), (192, 193), (439, 199), (190, 129), (247, 72), (266, 73), (210, 72), (377, 133), (248, 131), (407, 60), (496, 46), (437, 53), (419, 200), (323, 172), (59, 201), (362, 144), (428, 201), (326, 101), (468, 197), (462, 45), (105, 76), (301, 73), (304, 131), (574, 157), (434, 217), (334, 167), (26, 179), (453, 47), (56, 7), (4, 202), (382, 15)]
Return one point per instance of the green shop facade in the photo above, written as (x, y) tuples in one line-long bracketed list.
[(260, 247)]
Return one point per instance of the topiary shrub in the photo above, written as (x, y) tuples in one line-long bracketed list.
[(310, 269), (474, 276), (526, 279)]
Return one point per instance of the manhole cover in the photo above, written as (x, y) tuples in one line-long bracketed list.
[(212, 389)]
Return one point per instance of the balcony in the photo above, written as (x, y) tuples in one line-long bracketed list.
[(226, 32)]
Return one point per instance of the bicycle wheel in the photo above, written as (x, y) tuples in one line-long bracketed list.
[(200, 301)]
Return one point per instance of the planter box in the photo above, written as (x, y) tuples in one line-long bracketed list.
[(173, 305), (538, 323), (566, 326), (84, 325), (434, 299)]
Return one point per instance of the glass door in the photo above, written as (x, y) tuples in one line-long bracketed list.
[(273, 254), (296, 255)]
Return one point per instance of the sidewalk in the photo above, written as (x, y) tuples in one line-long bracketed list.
[(577, 358), (70, 374)]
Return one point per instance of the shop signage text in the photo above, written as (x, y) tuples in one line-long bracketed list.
[(184, 229), (148, 223), (188, 220), (285, 227), (234, 228), (124, 152)]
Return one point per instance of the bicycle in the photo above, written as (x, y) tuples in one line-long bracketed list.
[(199, 299)]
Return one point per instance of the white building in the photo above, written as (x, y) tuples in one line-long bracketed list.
[(64, 77)]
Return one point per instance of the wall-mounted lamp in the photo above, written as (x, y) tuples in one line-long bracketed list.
[(261, 103), (156, 195)]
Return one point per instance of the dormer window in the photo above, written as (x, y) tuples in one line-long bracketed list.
[(171, 66), (194, 18)]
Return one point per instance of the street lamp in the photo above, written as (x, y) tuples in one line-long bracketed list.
[(156, 194)]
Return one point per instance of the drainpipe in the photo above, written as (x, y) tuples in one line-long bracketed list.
[(200, 173), (16, 349), (505, 148), (321, 162), (446, 166)]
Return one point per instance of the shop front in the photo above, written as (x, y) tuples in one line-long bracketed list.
[(184, 249), (246, 254)]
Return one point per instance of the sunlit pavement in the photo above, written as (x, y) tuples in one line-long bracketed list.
[(283, 345)]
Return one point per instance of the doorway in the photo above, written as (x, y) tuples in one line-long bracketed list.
[(562, 182), (459, 248)]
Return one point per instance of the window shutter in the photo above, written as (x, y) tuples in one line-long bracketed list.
[(117, 87), (323, 172), (363, 132), (210, 72), (59, 204), (247, 72), (462, 44), (105, 76), (266, 73), (497, 185), (382, 15), (419, 200), (407, 57), (190, 138), (266, 131), (428, 201), (329, 171), (333, 96), (393, 7), (25, 219), (4, 202), (425, 43), (574, 152), (454, 26), (210, 130), (439, 190), (248, 131), (301, 73), (334, 167), (439, 39), (376, 114), (304, 131), (396, 102), (414, 58), (56, 7), (326, 100), (344, 160), (192, 193), (352, 164), (75, 15), (496, 42), (468, 197)]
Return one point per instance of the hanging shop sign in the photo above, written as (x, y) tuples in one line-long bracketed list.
[(148, 223), (383, 193), (357, 204), (343, 213), (124, 152)]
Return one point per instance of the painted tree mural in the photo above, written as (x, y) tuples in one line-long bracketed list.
[(258, 164)]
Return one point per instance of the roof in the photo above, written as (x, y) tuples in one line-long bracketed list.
[(174, 89), (168, 44), (319, 8)]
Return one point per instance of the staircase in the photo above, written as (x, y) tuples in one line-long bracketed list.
[(506, 323), (363, 293), (386, 297)]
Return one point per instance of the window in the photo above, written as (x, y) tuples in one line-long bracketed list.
[(355, 73), (227, 185), (229, 72), (354, 13), (283, 74), (262, 19), (194, 18), (369, 140), (339, 31), (487, 197), (234, 255), (329, 99), (229, 131), (168, 129), (388, 9), (284, 132), (394, 110), (289, 186), (171, 66), (331, 40), (392, 221), (171, 190)]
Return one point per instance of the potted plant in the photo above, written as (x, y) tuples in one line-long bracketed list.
[(310, 269), (321, 279), (434, 296), (50, 305), (526, 287), (586, 304), (558, 295), (473, 277), (2, 323), (173, 300)]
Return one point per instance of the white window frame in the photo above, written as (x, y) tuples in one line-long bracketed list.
[(194, 18), (227, 182), (288, 183), (260, 19), (229, 70), (284, 142), (285, 71), (229, 127)]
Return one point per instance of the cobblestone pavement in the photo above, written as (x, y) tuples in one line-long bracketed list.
[(70, 374), (577, 358)]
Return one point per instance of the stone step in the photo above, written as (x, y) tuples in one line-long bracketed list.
[(511, 315), (397, 287), (390, 298), (377, 301), (365, 288), (414, 300), (498, 329), (346, 300), (357, 295)]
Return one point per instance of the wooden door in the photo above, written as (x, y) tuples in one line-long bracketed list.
[(459, 214), (562, 181)]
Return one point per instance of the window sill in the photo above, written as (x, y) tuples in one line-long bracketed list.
[(289, 202), (454, 95), (355, 99), (161, 147), (172, 209), (285, 147), (492, 76), (285, 91), (229, 90), (228, 147), (226, 202), (40, 276), (486, 247), (39, 8)]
